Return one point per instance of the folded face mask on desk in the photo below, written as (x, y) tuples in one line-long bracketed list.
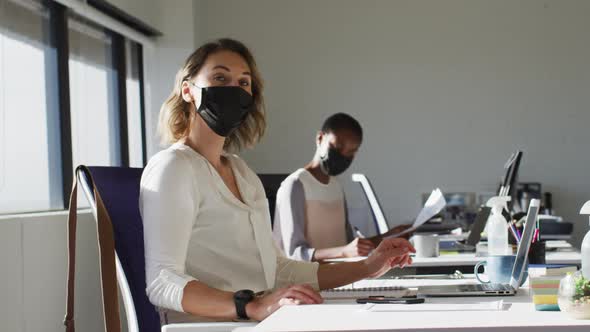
[(225, 108)]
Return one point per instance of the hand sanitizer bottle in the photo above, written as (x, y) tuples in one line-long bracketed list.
[(498, 227), (586, 245)]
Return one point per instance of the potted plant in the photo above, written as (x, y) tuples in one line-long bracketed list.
[(574, 295)]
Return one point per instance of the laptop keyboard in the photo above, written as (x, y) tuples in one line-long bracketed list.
[(484, 287)]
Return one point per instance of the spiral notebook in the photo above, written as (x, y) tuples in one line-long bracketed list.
[(354, 293)]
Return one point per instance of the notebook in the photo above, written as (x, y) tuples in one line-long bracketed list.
[(347, 292)]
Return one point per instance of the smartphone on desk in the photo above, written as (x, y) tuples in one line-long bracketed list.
[(389, 300)]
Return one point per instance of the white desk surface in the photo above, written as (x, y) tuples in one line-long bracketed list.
[(343, 315), (519, 315), (564, 255), (463, 259)]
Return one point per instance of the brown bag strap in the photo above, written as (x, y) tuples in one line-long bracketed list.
[(106, 250)]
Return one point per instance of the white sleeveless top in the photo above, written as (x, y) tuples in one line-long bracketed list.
[(309, 215), (325, 222)]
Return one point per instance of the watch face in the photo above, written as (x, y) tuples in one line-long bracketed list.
[(245, 295)]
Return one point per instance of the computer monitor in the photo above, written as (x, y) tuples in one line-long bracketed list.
[(510, 180), (508, 187)]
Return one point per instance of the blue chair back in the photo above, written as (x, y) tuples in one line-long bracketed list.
[(119, 189), (271, 184)]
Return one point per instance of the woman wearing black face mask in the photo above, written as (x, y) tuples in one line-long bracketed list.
[(310, 219), (311, 223), (208, 243)]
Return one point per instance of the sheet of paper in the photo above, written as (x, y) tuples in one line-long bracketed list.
[(434, 204), (482, 306)]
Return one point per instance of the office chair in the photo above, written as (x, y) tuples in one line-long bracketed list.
[(378, 217), (271, 184), (118, 189)]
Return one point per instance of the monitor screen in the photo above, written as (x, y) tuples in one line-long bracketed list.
[(510, 180)]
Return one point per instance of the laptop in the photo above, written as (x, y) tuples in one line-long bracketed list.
[(494, 289), (474, 234)]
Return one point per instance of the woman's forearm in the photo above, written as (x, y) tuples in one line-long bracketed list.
[(328, 253), (340, 274), (201, 300)]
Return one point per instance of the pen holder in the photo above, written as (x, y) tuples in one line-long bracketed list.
[(537, 252)]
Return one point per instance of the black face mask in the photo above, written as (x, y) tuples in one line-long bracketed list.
[(225, 108), (334, 163)]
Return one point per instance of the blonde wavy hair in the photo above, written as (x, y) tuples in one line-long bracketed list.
[(175, 113)]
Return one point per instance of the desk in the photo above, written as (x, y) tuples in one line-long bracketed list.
[(470, 259), (342, 315), (465, 262), (519, 315)]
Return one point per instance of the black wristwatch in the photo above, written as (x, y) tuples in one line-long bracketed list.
[(241, 298)]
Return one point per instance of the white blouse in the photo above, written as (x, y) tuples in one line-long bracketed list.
[(196, 229)]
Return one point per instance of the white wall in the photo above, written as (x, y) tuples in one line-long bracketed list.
[(445, 90), (33, 257), (176, 22)]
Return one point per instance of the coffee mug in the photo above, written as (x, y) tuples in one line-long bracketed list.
[(426, 245), (498, 269)]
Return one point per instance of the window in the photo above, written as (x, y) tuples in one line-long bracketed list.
[(93, 80), (135, 128), (30, 163), (46, 49)]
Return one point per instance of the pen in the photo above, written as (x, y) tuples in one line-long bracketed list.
[(513, 232), (538, 233), (358, 233), (518, 233)]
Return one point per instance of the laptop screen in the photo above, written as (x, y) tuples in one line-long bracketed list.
[(525, 244)]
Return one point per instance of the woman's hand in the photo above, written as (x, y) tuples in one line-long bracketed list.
[(265, 305), (397, 229), (401, 228), (358, 247), (389, 254)]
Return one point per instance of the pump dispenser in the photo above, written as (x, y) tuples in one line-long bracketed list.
[(497, 227), (586, 245)]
